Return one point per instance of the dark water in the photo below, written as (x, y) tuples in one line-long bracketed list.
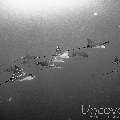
[(58, 94)]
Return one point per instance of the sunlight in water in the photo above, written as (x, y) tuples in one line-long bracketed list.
[(44, 6)]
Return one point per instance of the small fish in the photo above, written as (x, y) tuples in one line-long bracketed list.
[(62, 55), (116, 60)]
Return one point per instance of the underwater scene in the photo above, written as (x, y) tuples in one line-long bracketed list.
[(59, 60)]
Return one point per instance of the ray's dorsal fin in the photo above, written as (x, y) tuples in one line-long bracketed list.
[(59, 48)]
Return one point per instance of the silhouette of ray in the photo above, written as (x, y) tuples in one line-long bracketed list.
[(17, 73), (60, 57), (46, 63), (93, 44), (22, 61), (60, 53), (20, 78), (27, 59)]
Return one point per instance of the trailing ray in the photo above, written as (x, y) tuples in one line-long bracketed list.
[(17, 73)]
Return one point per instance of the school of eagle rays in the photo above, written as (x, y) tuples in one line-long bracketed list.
[(18, 73)]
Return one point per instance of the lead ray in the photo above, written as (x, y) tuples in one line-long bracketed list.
[(93, 44)]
